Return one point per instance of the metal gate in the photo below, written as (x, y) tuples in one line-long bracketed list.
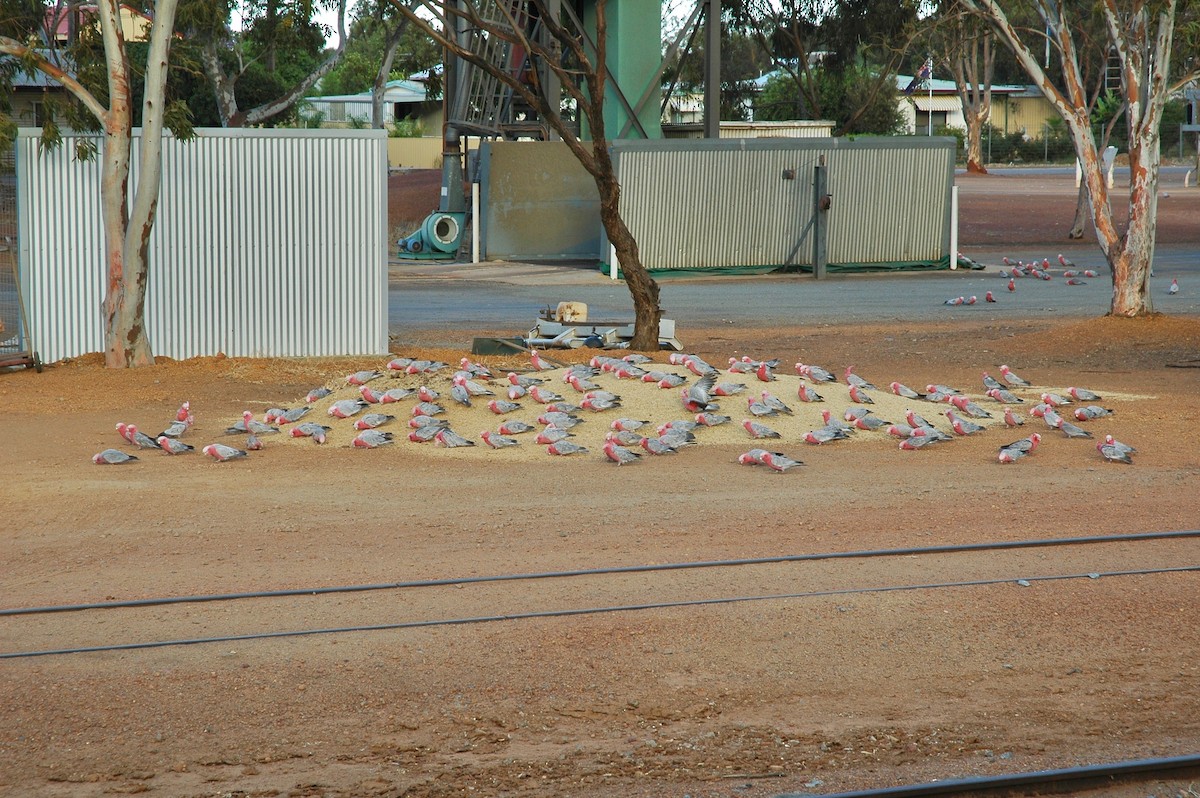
[(15, 349)]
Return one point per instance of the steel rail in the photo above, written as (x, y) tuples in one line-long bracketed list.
[(978, 784), (620, 569), (581, 611)]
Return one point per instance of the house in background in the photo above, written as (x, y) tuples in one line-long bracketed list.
[(64, 22), (402, 99), (1015, 109)]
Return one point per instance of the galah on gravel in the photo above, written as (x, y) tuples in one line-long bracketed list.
[(1083, 394), (778, 461), (737, 366), (1090, 273), (637, 358), (1067, 264), (293, 415), (918, 442), (460, 394), (516, 392), (806, 394), (989, 297), (1039, 410), (628, 371), (752, 457), (764, 373), (1012, 285), (553, 434), (1111, 453), (605, 396), (972, 409), (1010, 455), (523, 380), (937, 396), (697, 397), (900, 389), (424, 367), (1091, 412), (673, 381), (1174, 289), (900, 430), (1072, 431), (535, 360), (598, 405), (1012, 379), (475, 369), (833, 423), (958, 300), (427, 409), (173, 446), (1052, 418), (962, 426), (581, 384), (1111, 441), (728, 388), (711, 419), (222, 453), (628, 424), (1054, 400), (370, 395), (497, 441), (272, 414), (184, 412), (860, 396), (425, 434), (560, 420), (345, 408), (565, 448), (175, 429), (474, 388), (944, 390), (515, 426), (775, 403), (990, 382), (500, 406), (141, 439), (677, 438), (824, 435), (398, 363), (112, 457), (870, 422), (450, 439), (619, 454), (371, 439), (373, 420), (427, 394), (677, 424), (971, 300), (394, 395), (657, 446), (815, 373), (624, 437), (1075, 281), (1027, 444), (854, 379), (363, 377), (697, 365), (416, 422), (316, 394), (930, 432), (1011, 419), (123, 431), (757, 430), (758, 409), (915, 419), (1005, 396), (255, 426), (562, 407), (543, 395), (253, 443), (311, 429)]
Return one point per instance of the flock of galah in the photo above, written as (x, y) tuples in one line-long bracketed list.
[(1041, 271), (544, 405)]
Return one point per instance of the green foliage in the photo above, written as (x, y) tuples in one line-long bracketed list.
[(356, 122), (307, 117), (840, 94), (365, 50), (406, 129)]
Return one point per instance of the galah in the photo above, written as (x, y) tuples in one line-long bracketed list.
[(764, 373), (1065, 263), (1054, 400), (1083, 394), (363, 377), (605, 396), (222, 453), (1052, 418), (918, 442), (741, 366), (759, 409), (676, 358), (677, 438), (497, 441), (141, 439), (553, 434), (757, 430), (854, 379), (1111, 453), (1111, 441), (944, 390), (619, 454), (399, 363), (535, 360), (293, 415), (657, 446), (930, 432), (900, 430), (971, 300), (778, 461), (677, 424), (990, 382), (123, 431), (1010, 455), (775, 403), (1005, 396), (672, 381), (173, 446), (310, 429), (1012, 379), (345, 408), (427, 394), (870, 422), (637, 358), (1091, 412), (628, 424), (989, 297), (543, 395), (1011, 419), (427, 421), (598, 405), (1039, 410), (184, 412), (515, 427), (272, 414), (581, 384), (175, 429), (855, 412), (1027, 444), (560, 420), (915, 420), (972, 409), (424, 367), (1090, 273), (696, 365), (1012, 285), (955, 301), (1174, 289), (711, 419), (255, 426), (562, 407), (424, 434), (1072, 431), (516, 392), (807, 394), (450, 439), (815, 373), (860, 396), (1075, 281), (476, 369), (500, 406), (697, 397), (523, 380), (371, 439), (113, 457), (426, 409), (370, 395), (460, 394), (624, 438), (394, 395), (900, 389), (628, 371), (373, 420), (962, 426), (565, 448), (824, 435), (752, 457), (253, 443), (833, 423), (728, 388)]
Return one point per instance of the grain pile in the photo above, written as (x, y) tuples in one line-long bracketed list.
[(642, 401)]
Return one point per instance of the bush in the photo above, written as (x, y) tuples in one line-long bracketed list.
[(406, 129)]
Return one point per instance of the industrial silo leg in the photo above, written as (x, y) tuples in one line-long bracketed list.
[(821, 202)]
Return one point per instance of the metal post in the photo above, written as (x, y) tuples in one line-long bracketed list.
[(821, 202), (953, 227), (712, 71), (475, 222)]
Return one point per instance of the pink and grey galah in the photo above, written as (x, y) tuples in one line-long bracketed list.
[(565, 448), (450, 439), (538, 363), (764, 373), (711, 419), (870, 422), (1091, 412), (824, 435), (806, 394), (222, 453), (427, 409), (598, 405), (419, 421), (1027, 444), (496, 440), (834, 423), (1005, 396), (293, 415), (345, 408), (1013, 379), (972, 409), (962, 426), (1114, 454), (728, 388), (775, 403), (744, 366), (371, 439), (1011, 419), (757, 430), (918, 442), (369, 394), (317, 394), (1054, 400), (619, 454), (543, 395), (1083, 394), (184, 413), (173, 446), (1111, 441), (424, 434), (460, 394), (1072, 431), (310, 429), (753, 457), (672, 381), (500, 406), (860, 395), (373, 420), (657, 446), (363, 377), (900, 389), (759, 409), (175, 429), (553, 434), (254, 443), (475, 369), (398, 363), (515, 426), (778, 461), (523, 380), (141, 439), (628, 424), (516, 392), (112, 457), (854, 379), (474, 388), (915, 419), (559, 419), (1010, 455), (623, 437)]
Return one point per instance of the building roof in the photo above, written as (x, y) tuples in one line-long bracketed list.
[(947, 86), (396, 91)]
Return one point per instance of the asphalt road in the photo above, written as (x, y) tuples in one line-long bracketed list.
[(509, 296)]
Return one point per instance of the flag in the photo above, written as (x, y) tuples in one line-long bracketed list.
[(925, 73)]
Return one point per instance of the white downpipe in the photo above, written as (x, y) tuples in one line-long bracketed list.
[(954, 227), (474, 223)]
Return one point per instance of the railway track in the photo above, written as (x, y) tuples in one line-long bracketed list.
[(127, 625)]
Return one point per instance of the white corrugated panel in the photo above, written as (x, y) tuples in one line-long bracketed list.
[(267, 243)]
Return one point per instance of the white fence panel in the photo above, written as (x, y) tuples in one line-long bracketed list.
[(267, 243)]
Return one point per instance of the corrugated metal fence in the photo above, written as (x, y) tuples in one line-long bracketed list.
[(748, 203), (267, 243)]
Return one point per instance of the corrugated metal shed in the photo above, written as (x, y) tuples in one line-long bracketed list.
[(267, 243), (730, 203)]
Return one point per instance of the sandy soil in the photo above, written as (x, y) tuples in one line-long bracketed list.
[(824, 683)]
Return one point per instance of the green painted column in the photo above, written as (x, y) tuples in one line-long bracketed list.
[(634, 58)]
